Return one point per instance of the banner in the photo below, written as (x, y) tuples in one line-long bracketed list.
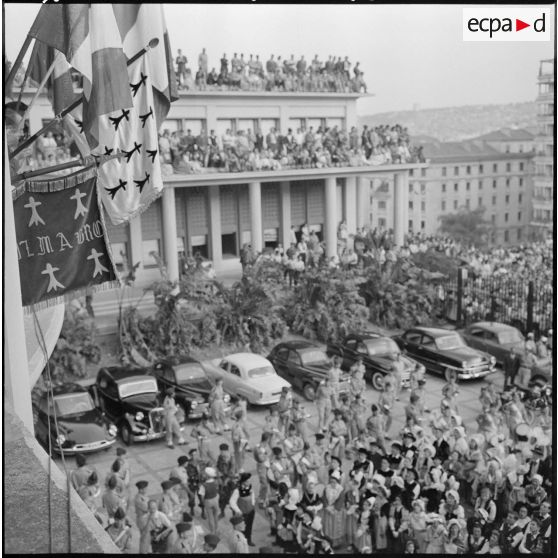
[(61, 239)]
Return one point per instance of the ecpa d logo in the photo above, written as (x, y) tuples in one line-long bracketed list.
[(506, 24)]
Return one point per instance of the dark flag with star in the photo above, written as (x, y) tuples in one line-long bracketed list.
[(61, 239)]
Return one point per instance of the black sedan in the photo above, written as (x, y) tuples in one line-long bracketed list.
[(191, 384), (378, 355), (303, 365), (445, 352), (130, 397), (82, 428)]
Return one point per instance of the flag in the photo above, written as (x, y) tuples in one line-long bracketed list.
[(61, 239), (89, 38)]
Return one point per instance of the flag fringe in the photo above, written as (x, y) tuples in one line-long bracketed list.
[(68, 297), (57, 184)]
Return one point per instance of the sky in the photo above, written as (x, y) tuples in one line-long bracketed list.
[(411, 55)]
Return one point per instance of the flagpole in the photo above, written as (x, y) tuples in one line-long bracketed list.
[(26, 143)]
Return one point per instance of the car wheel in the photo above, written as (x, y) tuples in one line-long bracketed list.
[(309, 392), (450, 374), (126, 434), (378, 381)]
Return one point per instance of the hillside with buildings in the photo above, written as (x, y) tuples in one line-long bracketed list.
[(458, 123)]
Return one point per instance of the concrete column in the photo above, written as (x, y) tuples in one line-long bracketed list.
[(17, 388), (136, 254), (363, 201), (256, 225), (400, 206), (170, 246), (350, 204), (285, 213), (215, 241), (330, 233)]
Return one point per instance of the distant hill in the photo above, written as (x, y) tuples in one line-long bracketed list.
[(458, 123)]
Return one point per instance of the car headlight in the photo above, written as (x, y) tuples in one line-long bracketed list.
[(112, 430), (61, 439), (492, 360), (193, 405), (464, 364), (226, 398), (139, 416)]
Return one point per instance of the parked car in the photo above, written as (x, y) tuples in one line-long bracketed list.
[(191, 384), (498, 340), (445, 352), (79, 428), (304, 365), (248, 375), (130, 397), (378, 354)]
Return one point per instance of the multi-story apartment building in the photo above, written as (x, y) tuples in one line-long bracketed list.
[(492, 171), (543, 193)]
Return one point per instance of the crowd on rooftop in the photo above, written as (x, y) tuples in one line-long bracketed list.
[(248, 150), (336, 74)]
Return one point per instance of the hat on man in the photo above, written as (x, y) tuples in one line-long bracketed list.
[(141, 484), (183, 527), (121, 451), (409, 434), (397, 446), (237, 519), (224, 447), (119, 513), (277, 450), (166, 485), (363, 450), (186, 517), (174, 481), (211, 540), (210, 472), (244, 477), (182, 460), (319, 436)]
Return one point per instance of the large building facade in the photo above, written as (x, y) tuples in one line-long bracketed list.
[(216, 213), (543, 194)]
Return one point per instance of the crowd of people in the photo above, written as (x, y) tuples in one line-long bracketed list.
[(247, 150), (439, 485), (336, 74)]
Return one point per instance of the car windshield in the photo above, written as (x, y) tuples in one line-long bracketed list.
[(509, 336), (72, 403), (381, 346), (313, 356), (149, 385), (449, 342), (190, 373), (261, 371)]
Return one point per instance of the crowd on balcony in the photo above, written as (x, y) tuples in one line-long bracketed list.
[(336, 74), (248, 151)]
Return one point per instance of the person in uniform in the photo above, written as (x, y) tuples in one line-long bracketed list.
[(193, 472), (210, 543), (334, 374), (262, 454), (284, 408), (157, 528), (120, 531), (210, 493), (171, 422), (225, 472), (242, 503), (141, 502), (323, 404), (182, 544), (170, 503), (217, 407), (112, 500), (179, 473), (240, 438), (239, 544), (511, 367), (80, 476)]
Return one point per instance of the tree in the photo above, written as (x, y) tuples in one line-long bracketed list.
[(466, 226)]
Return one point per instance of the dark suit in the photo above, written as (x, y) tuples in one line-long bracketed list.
[(511, 367)]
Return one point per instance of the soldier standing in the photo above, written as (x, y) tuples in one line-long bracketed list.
[(171, 422)]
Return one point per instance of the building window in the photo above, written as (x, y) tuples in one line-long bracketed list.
[(495, 167), (519, 215), (456, 171), (456, 187), (481, 169), (494, 184), (521, 165), (468, 169), (423, 206), (423, 172), (411, 205), (423, 188), (467, 203), (518, 234), (521, 181), (411, 189), (455, 206), (148, 246), (506, 217), (410, 224), (411, 172), (508, 167), (520, 198), (443, 205), (506, 236), (468, 186), (493, 200), (480, 184), (444, 171), (423, 225), (381, 205), (507, 199), (480, 202), (508, 182), (443, 187), (493, 219)]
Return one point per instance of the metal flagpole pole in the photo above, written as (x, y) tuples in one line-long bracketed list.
[(26, 143)]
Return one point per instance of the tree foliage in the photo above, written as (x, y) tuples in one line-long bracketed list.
[(466, 226)]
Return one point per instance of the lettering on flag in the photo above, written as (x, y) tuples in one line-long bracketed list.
[(61, 239)]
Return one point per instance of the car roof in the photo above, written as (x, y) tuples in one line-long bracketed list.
[(165, 363), (123, 373), (493, 326), (364, 336), (433, 331), (298, 344), (66, 388), (247, 359)]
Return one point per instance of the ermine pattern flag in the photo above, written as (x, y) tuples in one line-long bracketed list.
[(61, 239)]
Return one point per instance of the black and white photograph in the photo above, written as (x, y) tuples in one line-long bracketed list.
[(279, 278)]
